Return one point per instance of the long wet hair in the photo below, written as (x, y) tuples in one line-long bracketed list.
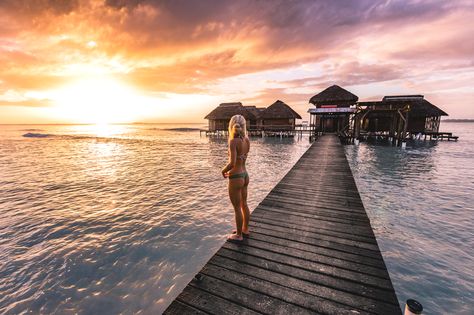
[(237, 120)]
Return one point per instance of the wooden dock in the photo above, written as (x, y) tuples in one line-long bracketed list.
[(311, 250)]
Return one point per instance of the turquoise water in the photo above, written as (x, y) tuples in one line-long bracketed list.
[(117, 219), (421, 205)]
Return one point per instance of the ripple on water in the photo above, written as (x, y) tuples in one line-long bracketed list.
[(108, 224), (420, 205)]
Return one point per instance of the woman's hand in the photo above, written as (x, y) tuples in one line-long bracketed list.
[(225, 173)]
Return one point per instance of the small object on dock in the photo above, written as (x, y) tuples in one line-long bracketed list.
[(198, 277), (413, 307)]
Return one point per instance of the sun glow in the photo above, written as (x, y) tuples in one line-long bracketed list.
[(99, 100)]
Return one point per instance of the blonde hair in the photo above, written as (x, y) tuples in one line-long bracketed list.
[(237, 120)]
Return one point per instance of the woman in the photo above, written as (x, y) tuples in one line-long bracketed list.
[(239, 146)]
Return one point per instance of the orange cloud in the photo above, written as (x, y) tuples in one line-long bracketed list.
[(188, 47)]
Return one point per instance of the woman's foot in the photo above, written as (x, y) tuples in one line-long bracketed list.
[(235, 238), (244, 234)]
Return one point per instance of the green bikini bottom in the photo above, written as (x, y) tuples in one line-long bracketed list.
[(239, 175)]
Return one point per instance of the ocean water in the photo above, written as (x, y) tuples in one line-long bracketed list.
[(116, 219), (420, 202)]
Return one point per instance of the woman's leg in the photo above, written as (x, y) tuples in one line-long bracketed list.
[(245, 207), (235, 188)]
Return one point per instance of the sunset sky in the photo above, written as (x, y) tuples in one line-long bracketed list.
[(96, 61)]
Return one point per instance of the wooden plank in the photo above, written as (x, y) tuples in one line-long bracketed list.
[(197, 298), (342, 234), (309, 275), (321, 248), (315, 213), (311, 250), (218, 284), (289, 216), (349, 264), (311, 303), (309, 261), (319, 239), (178, 308), (356, 302)]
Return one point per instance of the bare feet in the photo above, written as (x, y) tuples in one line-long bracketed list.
[(244, 234), (235, 238)]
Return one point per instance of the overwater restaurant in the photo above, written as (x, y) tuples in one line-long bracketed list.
[(396, 117), (334, 107)]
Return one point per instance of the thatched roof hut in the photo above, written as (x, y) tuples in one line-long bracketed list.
[(334, 95), (420, 115), (279, 110), (257, 112), (278, 115), (226, 110), (419, 106)]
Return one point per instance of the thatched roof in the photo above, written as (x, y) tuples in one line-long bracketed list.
[(334, 95), (279, 110), (227, 110), (419, 106), (254, 110)]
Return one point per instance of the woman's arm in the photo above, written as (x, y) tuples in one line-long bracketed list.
[(232, 158)]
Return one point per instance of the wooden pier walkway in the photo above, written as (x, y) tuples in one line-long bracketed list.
[(311, 250)]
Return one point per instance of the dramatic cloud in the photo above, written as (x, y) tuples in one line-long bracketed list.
[(290, 49)]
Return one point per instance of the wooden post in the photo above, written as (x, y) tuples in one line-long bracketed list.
[(405, 128), (356, 126)]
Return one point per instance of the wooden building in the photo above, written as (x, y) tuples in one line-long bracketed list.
[(255, 123), (398, 117), (220, 116), (279, 117), (334, 107)]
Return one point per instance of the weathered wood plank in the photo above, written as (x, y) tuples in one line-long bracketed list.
[(218, 284), (328, 241), (344, 235), (297, 239), (305, 260), (315, 214), (200, 299), (349, 264), (271, 288), (289, 216), (178, 308), (331, 295), (311, 250)]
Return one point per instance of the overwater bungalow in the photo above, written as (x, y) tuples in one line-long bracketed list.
[(279, 117), (395, 117), (399, 117), (334, 106), (220, 116), (255, 124)]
